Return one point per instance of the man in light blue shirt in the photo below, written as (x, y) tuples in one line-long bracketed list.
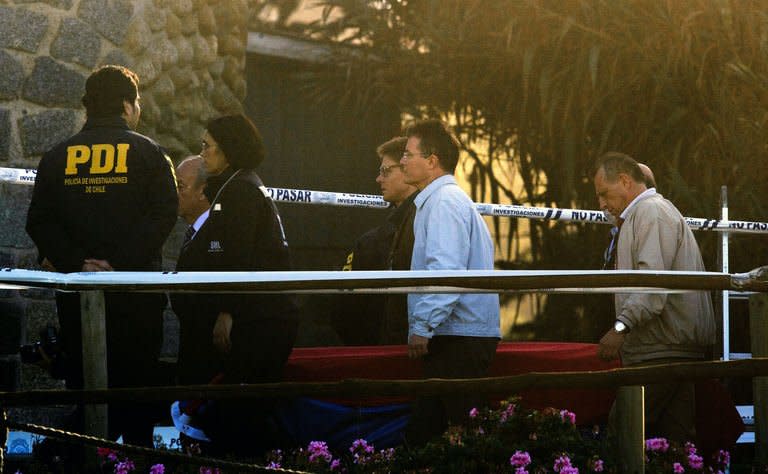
[(454, 334)]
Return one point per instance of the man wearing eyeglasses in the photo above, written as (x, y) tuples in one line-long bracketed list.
[(455, 335), (386, 247)]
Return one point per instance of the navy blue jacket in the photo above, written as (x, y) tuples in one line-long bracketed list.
[(107, 193)]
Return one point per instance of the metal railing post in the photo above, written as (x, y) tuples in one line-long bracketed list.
[(758, 330), (723, 256)]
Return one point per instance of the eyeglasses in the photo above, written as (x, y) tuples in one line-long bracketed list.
[(385, 171), (408, 155), (204, 145)]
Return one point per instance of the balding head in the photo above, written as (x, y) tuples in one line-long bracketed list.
[(191, 177), (650, 181)]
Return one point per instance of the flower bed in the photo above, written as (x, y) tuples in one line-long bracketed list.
[(507, 439)]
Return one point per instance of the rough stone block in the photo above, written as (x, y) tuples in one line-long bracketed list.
[(138, 37), (41, 131), (109, 17), (120, 58), (38, 293), (27, 258), (76, 42), (6, 259), (5, 133), (185, 49), (206, 20), (40, 313), (18, 258), (12, 77), (170, 347), (181, 7), (156, 17), (21, 28), (11, 322), (148, 69), (62, 4), (14, 201), (165, 52), (10, 378), (54, 85)]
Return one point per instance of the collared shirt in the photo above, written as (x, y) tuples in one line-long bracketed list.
[(449, 234), (200, 221), (609, 255), (648, 192)]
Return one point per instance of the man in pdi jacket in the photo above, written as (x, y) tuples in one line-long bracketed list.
[(382, 319), (105, 199)]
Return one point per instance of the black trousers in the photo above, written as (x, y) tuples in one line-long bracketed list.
[(260, 350), (450, 357), (134, 324), (670, 408)]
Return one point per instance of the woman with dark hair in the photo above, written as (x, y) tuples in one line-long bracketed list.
[(235, 338)]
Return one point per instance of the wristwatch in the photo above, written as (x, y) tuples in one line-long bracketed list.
[(620, 327)]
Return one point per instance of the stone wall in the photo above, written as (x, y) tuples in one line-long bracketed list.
[(190, 57)]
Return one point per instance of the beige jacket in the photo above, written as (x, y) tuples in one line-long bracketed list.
[(654, 236)]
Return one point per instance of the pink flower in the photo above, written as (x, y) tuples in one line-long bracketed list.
[(273, 465), (690, 448), (561, 463), (473, 413), (520, 459), (657, 444), (521, 470), (319, 450), (568, 416), (695, 461), (361, 444), (157, 469), (124, 467), (570, 470), (509, 411), (362, 451), (388, 454), (335, 465), (723, 458), (678, 468), (598, 465)]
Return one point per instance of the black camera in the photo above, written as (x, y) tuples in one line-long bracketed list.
[(46, 347)]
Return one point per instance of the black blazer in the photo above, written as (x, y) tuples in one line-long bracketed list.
[(243, 232)]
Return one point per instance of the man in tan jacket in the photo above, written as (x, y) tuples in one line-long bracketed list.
[(654, 328)]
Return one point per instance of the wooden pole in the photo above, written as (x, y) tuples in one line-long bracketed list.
[(353, 388), (758, 329), (94, 334), (630, 428)]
